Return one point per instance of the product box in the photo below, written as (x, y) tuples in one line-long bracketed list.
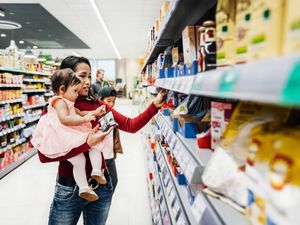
[(274, 191), (225, 21), (266, 29), (292, 27), (189, 45), (220, 115), (242, 28)]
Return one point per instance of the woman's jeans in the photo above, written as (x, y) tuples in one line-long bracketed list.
[(67, 206), (111, 166)]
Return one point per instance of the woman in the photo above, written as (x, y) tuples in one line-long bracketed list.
[(67, 205)]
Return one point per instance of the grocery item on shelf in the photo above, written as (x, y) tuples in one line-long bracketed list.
[(225, 21), (245, 117), (8, 78), (292, 27), (220, 115), (222, 175), (210, 48), (242, 29), (274, 193), (189, 44), (266, 29)]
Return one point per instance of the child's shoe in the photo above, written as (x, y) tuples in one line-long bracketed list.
[(98, 176), (88, 194)]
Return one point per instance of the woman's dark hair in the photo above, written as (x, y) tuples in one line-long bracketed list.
[(65, 77), (72, 61)]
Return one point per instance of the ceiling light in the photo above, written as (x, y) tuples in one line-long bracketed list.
[(27, 22), (105, 27), (9, 25), (3, 35), (76, 54), (35, 47), (2, 13), (11, 13), (21, 42)]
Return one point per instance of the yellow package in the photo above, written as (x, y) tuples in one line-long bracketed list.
[(292, 27), (225, 18), (246, 117), (243, 18), (278, 167), (266, 29)]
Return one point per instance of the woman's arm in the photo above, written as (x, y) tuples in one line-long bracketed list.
[(132, 125), (68, 119)]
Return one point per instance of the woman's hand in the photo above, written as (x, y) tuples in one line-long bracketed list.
[(100, 111), (160, 98), (95, 137)]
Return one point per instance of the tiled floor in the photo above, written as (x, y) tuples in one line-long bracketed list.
[(26, 193)]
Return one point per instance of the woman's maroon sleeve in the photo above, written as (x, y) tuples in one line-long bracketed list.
[(133, 125)]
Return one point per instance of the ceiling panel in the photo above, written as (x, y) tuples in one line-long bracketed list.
[(128, 21)]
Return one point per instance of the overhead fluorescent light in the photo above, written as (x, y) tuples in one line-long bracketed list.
[(76, 54), (21, 42), (35, 47), (3, 35), (105, 28), (2, 13)]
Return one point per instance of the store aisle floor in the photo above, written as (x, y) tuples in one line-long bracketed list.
[(26, 193)]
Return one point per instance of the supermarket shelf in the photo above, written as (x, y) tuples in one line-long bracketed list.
[(10, 130), (216, 212), (227, 214), (278, 82), (49, 94), (35, 80), (202, 156), (181, 14), (178, 84), (11, 117), (11, 101), (11, 85), (20, 161), (190, 158), (24, 71), (33, 119), (34, 106), (160, 199), (21, 141), (34, 91), (180, 191)]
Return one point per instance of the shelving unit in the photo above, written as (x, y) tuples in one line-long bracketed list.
[(30, 116), (11, 101), (10, 70), (16, 164), (277, 82), (181, 13)]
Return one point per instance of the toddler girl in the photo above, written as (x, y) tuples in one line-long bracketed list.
[(61, 130)]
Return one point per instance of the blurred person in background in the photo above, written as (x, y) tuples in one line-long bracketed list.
[(100, 82)]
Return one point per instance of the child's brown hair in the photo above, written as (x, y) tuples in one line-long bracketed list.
[(65, 77)]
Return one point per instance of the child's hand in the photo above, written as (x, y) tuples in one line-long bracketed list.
[(89, 117), (100, 111)]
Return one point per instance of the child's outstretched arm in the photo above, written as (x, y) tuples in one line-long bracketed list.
[(70, 120), (100, 111)]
